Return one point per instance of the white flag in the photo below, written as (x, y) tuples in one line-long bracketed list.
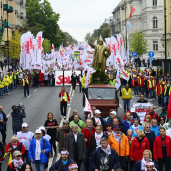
[(87, 107), (87, 82), (118, 81)]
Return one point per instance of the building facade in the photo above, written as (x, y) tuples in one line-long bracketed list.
[(16, 11), (148, 17)]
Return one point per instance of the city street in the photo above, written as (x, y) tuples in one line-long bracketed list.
[(43, 100)]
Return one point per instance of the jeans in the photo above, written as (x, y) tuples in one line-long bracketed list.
[(136, 90), (39, 166), (151, 94), (80, 87), (53, 142), (10, 86), (1, 91), (126, 104), (160, 101), (166, 101), (14, 83), (50, 82), (123, 162), (87, 161), (63, 107), (26, 157), (26, 88), (15, 132), (142, 90), (6, 90)]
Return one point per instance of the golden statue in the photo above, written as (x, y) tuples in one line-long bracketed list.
[(100, 55)]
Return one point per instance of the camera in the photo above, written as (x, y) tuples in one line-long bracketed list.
[(18, 108)]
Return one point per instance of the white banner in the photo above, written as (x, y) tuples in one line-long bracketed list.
[(67, 77), (141, 109)]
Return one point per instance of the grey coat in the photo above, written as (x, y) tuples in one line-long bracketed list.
[(60, 137), (17, 120), (81, 145)]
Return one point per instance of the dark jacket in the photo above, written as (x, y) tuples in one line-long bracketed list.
[(109, 120), (137, 166), (60, 137), (4, 120), (144, 101), (81, 145), (73, 79), (102, 123), (2, 151), (95, 159), (126, 125), (60, 166), (151, 137), (17, 120)]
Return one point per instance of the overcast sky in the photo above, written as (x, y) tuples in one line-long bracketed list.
[(78, 17)]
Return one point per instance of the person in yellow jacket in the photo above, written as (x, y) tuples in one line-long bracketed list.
[(11, 81), (1, 86), (119, 142), (25, 84), (83, 81), (126, 97), (6, 84)]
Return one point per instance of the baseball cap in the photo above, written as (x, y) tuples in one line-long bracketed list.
[(38, 131), (132, 109), (113, 113), (116, 127), (17, 153), (97, 111), (42, 128), (24, 125), (73, 166)]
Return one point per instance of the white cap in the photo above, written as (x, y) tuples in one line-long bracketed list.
[(38, 131), (97, 111), (149, 164), (42, 128), (132, 109), (140, 74), (24, 125), (113, 113)]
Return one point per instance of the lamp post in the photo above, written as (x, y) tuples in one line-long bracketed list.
[(165, 67)]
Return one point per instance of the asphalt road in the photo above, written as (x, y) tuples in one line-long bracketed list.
[(43, 100)]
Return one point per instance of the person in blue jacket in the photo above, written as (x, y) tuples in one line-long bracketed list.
[(136, 127), (104, 157), (155, 127), (38, 150), (128, 122), (63, 163)]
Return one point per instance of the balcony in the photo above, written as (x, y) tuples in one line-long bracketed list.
[(10, 10), (6, 24), (6, 7)]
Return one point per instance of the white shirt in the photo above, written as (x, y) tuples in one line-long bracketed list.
[(75, 136), (97, 120), (80, 78), (25, 138), (38, 150), (47, 137), (168, 132)]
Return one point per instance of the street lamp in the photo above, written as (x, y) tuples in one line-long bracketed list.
[(165, 67)]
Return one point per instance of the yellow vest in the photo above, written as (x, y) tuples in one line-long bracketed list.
[(11, 79), (153, 83), (166, 90), (65, 97), (150, 85), (6, 81), (1, 84), (24, 82)]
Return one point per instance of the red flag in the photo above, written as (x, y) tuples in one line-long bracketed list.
[(132, 11), (67, 43), (169, 109)]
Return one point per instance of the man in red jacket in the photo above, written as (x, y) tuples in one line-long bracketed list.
[(152, 114), (64, 98), (159, 93), (141, 83), (162, 149)]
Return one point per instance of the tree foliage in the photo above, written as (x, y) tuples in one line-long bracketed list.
[(46, 45), (104, 31), (138, 43), (41, 17), (14, 45)]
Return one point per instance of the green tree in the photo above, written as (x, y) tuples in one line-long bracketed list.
[(138, 43), (46, 45), (105, 33), (88, 37), (14, 45)]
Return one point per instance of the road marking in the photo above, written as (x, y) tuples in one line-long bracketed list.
[(9, 114), (68, 113), (28, 96), (70, 91), (35, 90), (120, 106), (73, 93)]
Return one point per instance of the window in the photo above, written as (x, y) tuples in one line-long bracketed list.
[(154, 3), (155, 45), (155, 23)]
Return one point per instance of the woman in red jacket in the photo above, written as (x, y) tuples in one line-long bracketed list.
[(139, 144)]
